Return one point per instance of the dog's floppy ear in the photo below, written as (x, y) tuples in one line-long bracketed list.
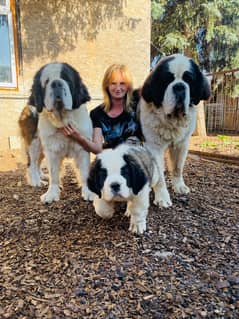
[(146, 91), (96, 177), (133, 174), (134, 101), (79, 91), (36, 97), (81, 94), (202, 89), (154, 87), (206, 90)]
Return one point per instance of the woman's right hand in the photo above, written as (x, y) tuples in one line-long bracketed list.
[(69, 131), (94, 146)]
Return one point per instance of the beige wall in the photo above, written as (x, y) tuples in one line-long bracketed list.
[(89, 35)]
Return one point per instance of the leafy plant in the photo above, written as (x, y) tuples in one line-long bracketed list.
[(224, 140), (209, 144), (223, 137), (206, 30)]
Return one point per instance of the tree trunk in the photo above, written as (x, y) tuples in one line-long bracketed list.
[(201, 123)]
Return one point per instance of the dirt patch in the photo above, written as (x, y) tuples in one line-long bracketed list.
[(220, 144), (10, 160), (224, 146), (63, 261)]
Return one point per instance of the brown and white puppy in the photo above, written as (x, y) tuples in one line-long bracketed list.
[(58, 98), (127, 174), (168, 116)]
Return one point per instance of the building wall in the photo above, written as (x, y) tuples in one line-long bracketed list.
[(89, 35)]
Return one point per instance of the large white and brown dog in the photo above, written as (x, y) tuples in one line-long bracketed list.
[(168, 113), (127, 174), (58, 98)]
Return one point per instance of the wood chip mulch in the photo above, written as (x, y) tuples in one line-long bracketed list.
[(63, 261)]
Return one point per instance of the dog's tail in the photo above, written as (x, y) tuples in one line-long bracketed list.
[(27, 122)]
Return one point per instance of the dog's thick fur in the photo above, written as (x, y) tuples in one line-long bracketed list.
[(58, 98), (125, 173), (168, 113)]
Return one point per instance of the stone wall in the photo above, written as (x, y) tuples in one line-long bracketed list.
[(89, 35)]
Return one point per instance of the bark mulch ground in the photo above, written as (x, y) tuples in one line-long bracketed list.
[(63, 261)]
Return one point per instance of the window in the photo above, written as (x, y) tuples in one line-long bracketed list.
[(7, 51)]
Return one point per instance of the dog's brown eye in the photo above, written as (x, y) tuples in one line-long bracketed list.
[(168, 77), (188, 77), (46, 82)]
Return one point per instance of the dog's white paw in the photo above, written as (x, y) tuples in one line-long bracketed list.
[(87, 195), (38, 183), (162, 203), (137, 227), (181, 188), (127, 213), (162, 199), (103, 208), (52, 195), (35, 180), (105, 214)]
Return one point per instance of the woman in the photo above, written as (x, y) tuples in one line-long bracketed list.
[(114, 121)]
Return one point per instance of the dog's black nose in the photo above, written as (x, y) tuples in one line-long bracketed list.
[(56, 84), (179, 90), (115, 187)]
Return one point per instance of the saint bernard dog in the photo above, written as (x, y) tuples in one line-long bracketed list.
[(125, 173), (58, 98), (168, 113)]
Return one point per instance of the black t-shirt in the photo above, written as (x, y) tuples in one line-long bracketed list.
[(115, 130)]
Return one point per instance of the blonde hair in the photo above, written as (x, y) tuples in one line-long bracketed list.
[(107, 79)]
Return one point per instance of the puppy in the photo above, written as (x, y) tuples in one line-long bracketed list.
[(125, 173), (58, 98), (168, 116)]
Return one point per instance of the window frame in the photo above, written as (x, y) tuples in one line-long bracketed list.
[(7, 10)]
